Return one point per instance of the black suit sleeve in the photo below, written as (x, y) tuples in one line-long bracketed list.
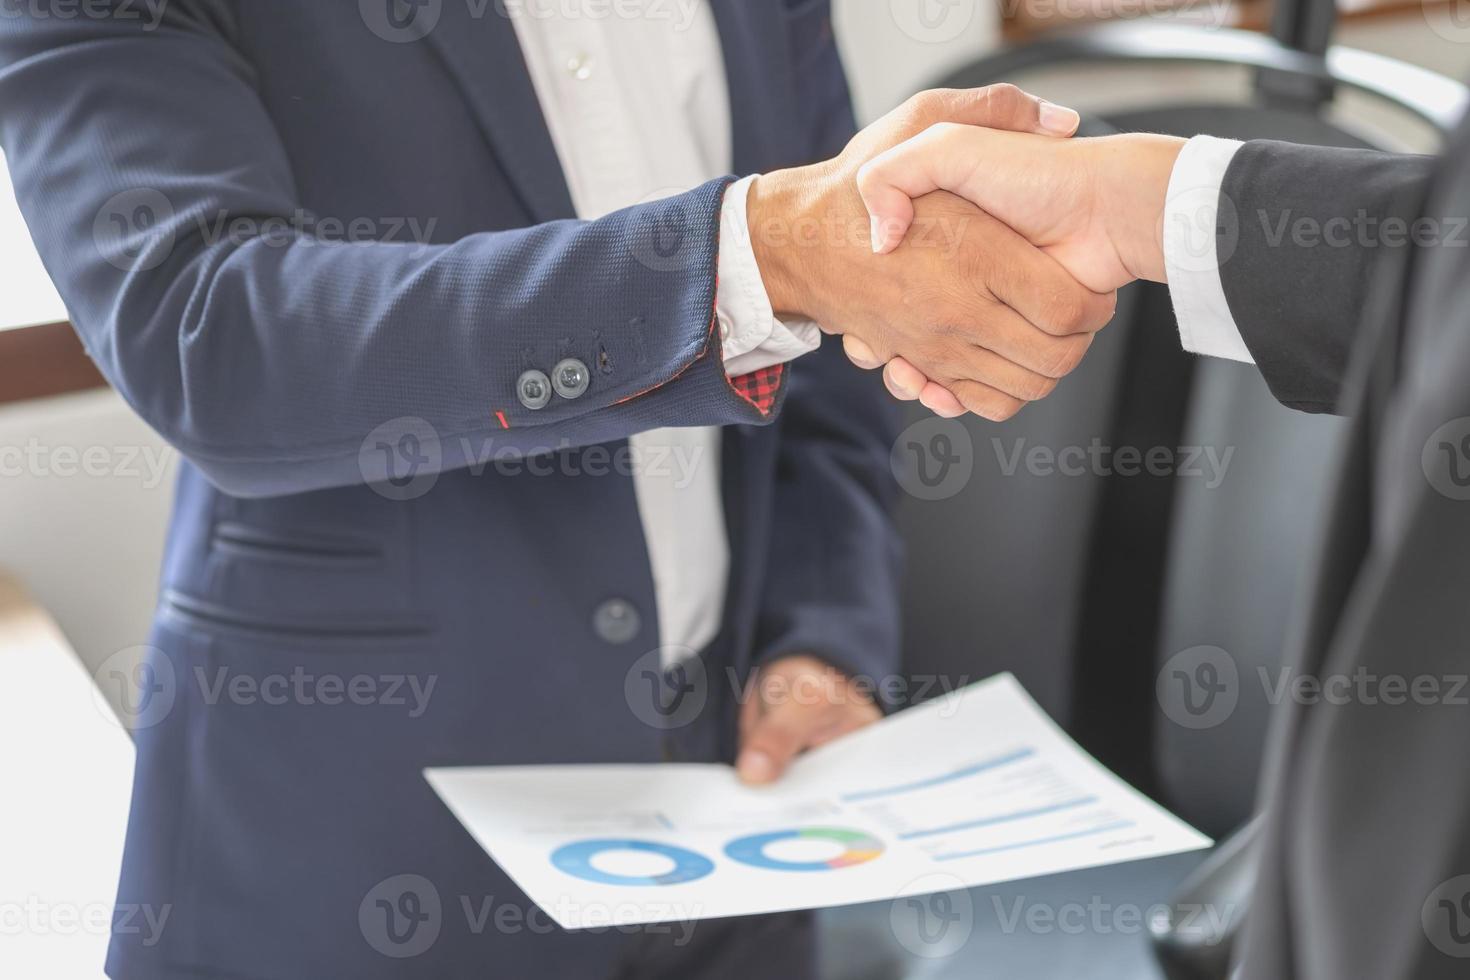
[(1299, 256)]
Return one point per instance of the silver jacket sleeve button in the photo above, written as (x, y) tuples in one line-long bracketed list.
[(616, 621), (571, 378), (534, 389)]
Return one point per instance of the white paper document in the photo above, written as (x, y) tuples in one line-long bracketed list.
[(976, 787)]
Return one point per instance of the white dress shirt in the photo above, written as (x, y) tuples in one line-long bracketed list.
[(1191, 259), (636, 101)]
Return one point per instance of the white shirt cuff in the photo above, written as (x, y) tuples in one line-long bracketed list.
[(752, 336), (1191, 260)]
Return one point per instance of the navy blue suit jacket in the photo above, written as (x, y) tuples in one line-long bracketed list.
[(178, 179)]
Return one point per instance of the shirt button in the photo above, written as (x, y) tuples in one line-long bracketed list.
[(570, 378), (725, 329), (534, 389), (580, 66), (616, 621)]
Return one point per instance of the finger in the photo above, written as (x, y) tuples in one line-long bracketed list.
[(1004, 375), (904, 381), (985, 401), (859, 353), (849, 719), (933, 396), (1056, 120), (941, 401), (999, 106), (1036, 286), (992, 326), (943, 157), (752, 707), (768, 748)]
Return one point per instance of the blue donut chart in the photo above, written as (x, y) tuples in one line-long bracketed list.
[(859, 848), (576, 860)]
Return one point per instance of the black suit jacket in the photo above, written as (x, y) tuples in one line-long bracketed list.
[(1348, 273)]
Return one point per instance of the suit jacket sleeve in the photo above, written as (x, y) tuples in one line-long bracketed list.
[(1299, 256), (266, 357), (832, 585)]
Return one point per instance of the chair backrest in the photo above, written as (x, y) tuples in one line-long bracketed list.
[(996, 569), (1237, 550), (1240, 531)]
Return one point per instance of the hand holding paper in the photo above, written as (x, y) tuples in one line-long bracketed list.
[(975, 787), (796, 704)]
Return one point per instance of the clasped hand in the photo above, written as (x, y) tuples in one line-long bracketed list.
[(1096, 206), (965, 299), (965, 244)]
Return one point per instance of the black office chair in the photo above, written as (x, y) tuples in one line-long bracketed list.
[(1088, 587)]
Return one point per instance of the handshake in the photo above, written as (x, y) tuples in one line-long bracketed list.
[(978, 250)]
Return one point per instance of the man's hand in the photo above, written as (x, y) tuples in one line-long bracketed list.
[(965, 299), (795, 704), (1094, 205)]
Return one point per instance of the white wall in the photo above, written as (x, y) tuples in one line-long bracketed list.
[(894, 48), (85, 489), (82, 501), (27, 295)]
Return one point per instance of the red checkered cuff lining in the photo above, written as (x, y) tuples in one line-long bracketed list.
[(760, 387)]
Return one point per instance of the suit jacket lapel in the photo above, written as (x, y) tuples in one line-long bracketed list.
[(754, 38), (478, 46)]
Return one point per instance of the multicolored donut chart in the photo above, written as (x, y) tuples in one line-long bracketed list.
[(858, 848), (576, 860)]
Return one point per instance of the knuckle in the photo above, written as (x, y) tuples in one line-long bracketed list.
[(939, 104), (1001, 407), (1106, 309), (939, 359), (899, 386), (988, 403), (859, 352), (962, 348), (945, 130), (972, 397), (1063, 355), (1068, 312), (1009, 409), (1004, 95), (1035, 388), (926, 104), (879, 343), (976, 398)]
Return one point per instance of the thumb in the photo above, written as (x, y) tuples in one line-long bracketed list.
[(999, 106), (768, 747), (1056, 120), (943, 157)]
